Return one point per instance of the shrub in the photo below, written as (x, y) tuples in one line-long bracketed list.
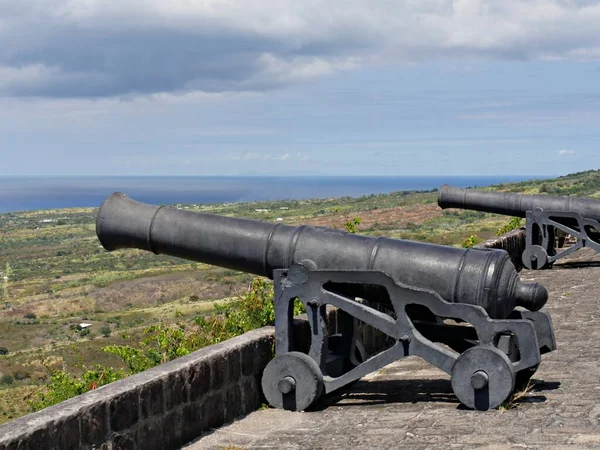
[(105, 331), (3, 351), (85, 332), (20, 375), (513, 224), (352, 225), (6, 380), (30, 316), (63, 386), (470, 241)]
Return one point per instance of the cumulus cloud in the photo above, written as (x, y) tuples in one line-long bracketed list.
[(104, 48), (565, 152)]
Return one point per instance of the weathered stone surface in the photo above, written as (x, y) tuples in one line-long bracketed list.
[(171, 429), (149, 435), (251, 395), (218, 372), (512, 242), (233, 402), (176, 391), (264, 353), (213, 411), (65, 433), (234, 369), (199, 381), (10, 446), (191, 426), (248, 354), (123, 410), (40, 438), (152, 399), (94, 424), (122, 441)]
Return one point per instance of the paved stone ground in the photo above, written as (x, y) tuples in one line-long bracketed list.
[(410, 404)]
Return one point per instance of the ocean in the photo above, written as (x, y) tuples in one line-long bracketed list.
[(33, 193)]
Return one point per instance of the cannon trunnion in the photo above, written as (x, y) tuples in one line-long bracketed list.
[(464, 311), (548, 220)]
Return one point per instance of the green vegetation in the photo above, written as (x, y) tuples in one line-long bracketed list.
[(145, 309), (471, 241), (164, 342), (513, 224)]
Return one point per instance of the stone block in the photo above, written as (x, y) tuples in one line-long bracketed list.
[(122, 441), (176, 392), (218, 371), (234, 369), (233, 402), (65, 433), (213, 411), (191, 426), (40, 438), (171, 426), (251, 395), (124, 410), (152, 400), (149, 435), (248, 353), (94, 424), (199, 381)]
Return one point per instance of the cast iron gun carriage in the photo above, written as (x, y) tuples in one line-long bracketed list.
[(495, 339)]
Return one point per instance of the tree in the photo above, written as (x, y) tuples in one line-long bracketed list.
[(105, 331)]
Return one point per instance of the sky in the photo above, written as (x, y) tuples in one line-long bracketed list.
[(289, 87)]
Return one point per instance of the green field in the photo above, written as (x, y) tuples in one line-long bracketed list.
[(56, 275)]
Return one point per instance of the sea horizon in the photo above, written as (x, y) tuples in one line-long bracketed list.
[(26, 193)]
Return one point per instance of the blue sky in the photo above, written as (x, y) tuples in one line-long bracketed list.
[(198, 87)]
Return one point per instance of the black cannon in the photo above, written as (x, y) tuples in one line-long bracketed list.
[(494, 341), (548, 220)]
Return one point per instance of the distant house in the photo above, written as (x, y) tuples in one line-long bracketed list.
[(83, 326)]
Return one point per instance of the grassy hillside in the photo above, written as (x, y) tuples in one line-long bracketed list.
[(56, 274)]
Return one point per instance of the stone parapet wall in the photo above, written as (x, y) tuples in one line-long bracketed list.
[(168, 405), (161, 408), (513, 242)]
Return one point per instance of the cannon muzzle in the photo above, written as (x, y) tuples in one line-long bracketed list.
[(517, 205), (483, 277)]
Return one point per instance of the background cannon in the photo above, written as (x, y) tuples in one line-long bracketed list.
[(423, 284), (546, 216)]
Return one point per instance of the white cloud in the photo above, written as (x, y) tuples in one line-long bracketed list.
[(564, 152), (104, 48)]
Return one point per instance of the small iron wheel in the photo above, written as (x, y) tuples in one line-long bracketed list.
[(535, 257), (483, 377), (292, 381)]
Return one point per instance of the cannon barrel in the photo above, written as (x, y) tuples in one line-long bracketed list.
[(517, 205), (475, 276)]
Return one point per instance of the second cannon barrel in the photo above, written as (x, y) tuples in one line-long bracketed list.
[(511, 204), (483, 277)]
